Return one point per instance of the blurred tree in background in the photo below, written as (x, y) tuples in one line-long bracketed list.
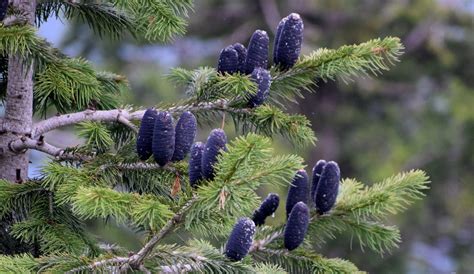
[(418, 115)]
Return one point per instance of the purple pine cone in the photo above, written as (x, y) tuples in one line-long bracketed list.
[(297, 226), (277, 38), (267, 208), (145, 135), (185, 134), (328, 187), (228, 61), (216, 142), (298, 191), (257, 51), (242, 53), (262, 78), (195, 164), (3, 9), (163, 138), (317, 170), (240, 239), (288, 49)]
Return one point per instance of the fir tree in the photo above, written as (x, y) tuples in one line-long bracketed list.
[(42, 218)]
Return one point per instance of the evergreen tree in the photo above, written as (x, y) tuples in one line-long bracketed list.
[(43, 218)]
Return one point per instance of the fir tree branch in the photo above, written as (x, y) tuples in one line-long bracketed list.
[(197, 256), (24, 143), (22, 263), (14, 20), (138, 258), (139, 166), (303, 261), (261, 244), (103, 18), (116, 114), (371, 57)]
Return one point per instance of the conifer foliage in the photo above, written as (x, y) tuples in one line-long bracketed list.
[(207, 190)]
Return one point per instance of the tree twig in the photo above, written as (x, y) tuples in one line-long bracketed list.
[(14, 20), (261, 244), (24, 143), (138, 166), (136, 261), (116, 260), (127, 122), (121, 115)]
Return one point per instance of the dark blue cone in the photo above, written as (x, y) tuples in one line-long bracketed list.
[(145, 135), (240, 239), (328, 187), (215, 144), (262, 78), (317, 170), (297, 226), (267, 208), (163, 138), (257, 51), (195, 164), (242, 53), (185, 133), (289, 43), (228, 60), (3, 9), (277, 39), (298, 191)]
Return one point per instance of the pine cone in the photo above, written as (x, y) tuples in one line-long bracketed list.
[(163, 138), (228, 61), (297, 226), (328, 187), (298, 191), (288, 42), (317, 170), (145, 134), (215, 144), (267, 208), (194, 167), (242, 53), (262, 78), (277, 38), (240, 239), (185, 133), (257, 52)]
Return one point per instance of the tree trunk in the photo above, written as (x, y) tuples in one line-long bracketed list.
[(18, 108)]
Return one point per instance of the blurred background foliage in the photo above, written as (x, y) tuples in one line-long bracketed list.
[(418, 115)]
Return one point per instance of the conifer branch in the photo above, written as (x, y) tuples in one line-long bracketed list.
[(14, 20), (102, 17), (138, 258), (139, 166), (24, 143), (115, 115), (369, 58)]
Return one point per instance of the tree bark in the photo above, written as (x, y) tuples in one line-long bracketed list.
[(18, 109)]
